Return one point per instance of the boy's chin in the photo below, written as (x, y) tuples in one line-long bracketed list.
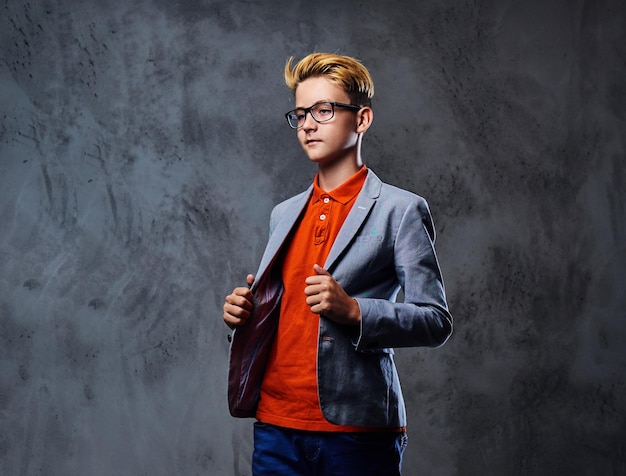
[(321, 162), (325, 161), (316, 159)]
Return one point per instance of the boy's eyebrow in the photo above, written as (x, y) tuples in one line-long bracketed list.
[(317, 102)]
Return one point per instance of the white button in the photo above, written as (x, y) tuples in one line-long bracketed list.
[(322, 217), (326, 200)]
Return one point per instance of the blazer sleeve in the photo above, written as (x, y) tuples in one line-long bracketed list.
[(423, 319)]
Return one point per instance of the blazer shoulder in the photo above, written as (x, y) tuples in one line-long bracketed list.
[(402, 196), (385, 190), (403, 201)]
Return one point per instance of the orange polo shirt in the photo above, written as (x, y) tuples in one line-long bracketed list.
[(289, 396)]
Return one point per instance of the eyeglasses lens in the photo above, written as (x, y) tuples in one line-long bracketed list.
[(321, 112)]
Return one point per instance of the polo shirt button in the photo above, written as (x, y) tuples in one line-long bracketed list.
[(322, 217), (326, 200)]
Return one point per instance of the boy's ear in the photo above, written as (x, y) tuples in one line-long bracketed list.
[(364, 118)]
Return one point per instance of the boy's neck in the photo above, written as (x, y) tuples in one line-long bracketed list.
[(330, 176), (333, 175)]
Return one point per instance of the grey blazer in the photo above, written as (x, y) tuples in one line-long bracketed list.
[(385, 244)]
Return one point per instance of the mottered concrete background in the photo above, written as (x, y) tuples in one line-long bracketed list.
[(143, 145)]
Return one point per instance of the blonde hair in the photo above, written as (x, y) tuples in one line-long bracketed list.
[(346, 72)]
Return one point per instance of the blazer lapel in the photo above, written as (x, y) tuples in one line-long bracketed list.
[(359, 212), (281, 231)]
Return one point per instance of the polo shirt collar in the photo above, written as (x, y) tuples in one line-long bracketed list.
[(345, 192)]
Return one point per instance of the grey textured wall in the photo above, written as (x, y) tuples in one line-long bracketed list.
[(142, 146)]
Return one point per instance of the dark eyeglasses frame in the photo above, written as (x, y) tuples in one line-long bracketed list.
[(307, 110)]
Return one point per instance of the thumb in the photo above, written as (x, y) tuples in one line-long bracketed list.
[(250, 279), (320, 271)]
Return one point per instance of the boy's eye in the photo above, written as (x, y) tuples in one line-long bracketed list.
[(323, 110)]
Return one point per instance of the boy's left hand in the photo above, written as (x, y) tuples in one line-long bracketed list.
[(326, 296)]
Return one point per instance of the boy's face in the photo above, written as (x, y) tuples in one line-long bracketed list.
[(330, 142)]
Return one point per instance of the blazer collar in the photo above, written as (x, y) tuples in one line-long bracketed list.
[(359, 212)]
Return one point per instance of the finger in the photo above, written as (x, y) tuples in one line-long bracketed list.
[(319, 278), (243, 300), (312, 280), (318, 287), (232, 321), (237, 311), (312, 289), (313, 300), (243, 292), (320, 271), (235, 316), (314, 304), (250, 280)]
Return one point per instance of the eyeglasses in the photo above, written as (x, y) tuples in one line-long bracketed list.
[(320, 112)]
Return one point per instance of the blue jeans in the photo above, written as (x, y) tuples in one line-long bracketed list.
[(280, 451)]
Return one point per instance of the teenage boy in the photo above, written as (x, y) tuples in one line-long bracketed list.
[(311, 354)]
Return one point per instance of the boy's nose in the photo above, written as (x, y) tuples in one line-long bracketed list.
[(309, 122)]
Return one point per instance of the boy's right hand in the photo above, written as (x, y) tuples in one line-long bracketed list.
[(238, 305)]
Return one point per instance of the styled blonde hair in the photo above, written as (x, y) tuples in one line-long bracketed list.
[(346, 72)]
